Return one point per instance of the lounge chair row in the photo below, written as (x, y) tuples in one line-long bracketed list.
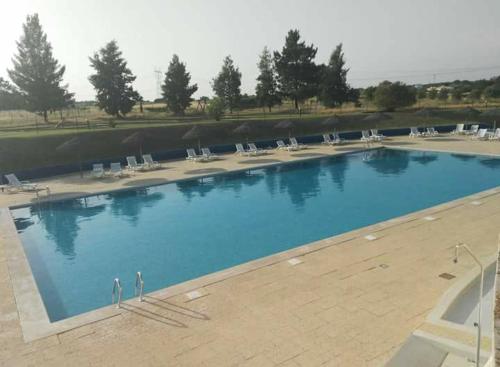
[(476, 133), (416, 133), (375, 136), (205, 156), (115, 168)]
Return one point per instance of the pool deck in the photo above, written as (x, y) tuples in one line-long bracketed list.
[(347, 301)]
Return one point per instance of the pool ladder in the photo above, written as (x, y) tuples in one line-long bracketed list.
[(116, 294), (139, 286)]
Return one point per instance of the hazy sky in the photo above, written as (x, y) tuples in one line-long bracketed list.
[(408, 40)]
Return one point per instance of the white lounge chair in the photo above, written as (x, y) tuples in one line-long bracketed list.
[(365, 136), (241, 150), (327, 139), (149, 162), (415, 133), (282, 146), (207, 153), (295, 143), (376, 135), (193, 157), (97, 170), (431, 132), (13, 184), (115, 169), (252, 148), (459, 129), (474, 129), (495, 135), (481, 135), (133, 165), (337, 139)]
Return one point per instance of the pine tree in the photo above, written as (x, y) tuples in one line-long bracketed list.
[(113, 81), (176, 89), (36, 73), (297, 72), (10, 98), (267, 88), (227, 84), (334, 89)]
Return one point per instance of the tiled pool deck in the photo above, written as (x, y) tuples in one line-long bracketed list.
[(349, 301)]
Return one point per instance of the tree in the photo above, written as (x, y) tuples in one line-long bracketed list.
[(267, 87), (297, 72), (390, 96), (443, 94), (226, 84), (216, 108), (176, 89), (334, 89), (456, 94), (432, 93), (36, 73), (369, 93), (421, 93), (10, 98), (113, 81)]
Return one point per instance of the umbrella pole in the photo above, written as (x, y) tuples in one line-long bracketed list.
[(80, 162), (199, 145)]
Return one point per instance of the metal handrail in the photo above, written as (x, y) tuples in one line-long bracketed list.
[(139, 285), (117, 290)]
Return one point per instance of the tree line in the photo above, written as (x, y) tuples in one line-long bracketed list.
[(291, 73)]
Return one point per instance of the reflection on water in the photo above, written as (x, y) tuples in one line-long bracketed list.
[(129, 204), (463, 157), (492, 163), (337, 170), (425, 158), (387, 161), (68, 215)]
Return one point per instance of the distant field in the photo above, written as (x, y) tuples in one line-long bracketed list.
[(90, 118)]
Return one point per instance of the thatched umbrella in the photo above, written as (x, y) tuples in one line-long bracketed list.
[(426, 112), (469, 112), (285, 124), (331, 122), (71, 145), (493, 113), (377, 117), (244, 129), (136, 139), (195, 133)]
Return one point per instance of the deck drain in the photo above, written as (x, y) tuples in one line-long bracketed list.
[(430, 218), (193, 295), (294, 261), (446, 276), (476, 202), (370, 237), (384, 266)]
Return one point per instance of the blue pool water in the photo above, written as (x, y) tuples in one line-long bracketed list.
[(180, 231)]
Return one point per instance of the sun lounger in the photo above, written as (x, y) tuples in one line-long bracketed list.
[(376, 136), (415, 133), (193, 157), (327, 139), (481, 135), (365, 136), (459, 129), (97, 170), (115, 170), (252, 148), (431, 132), (207, 153), (133, 165), (295, 143), (336, 138), (13, 184), (241, 150), (149, 162), (282, 146), (474, 129), (495, 135)]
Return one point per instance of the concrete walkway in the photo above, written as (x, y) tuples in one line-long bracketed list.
[(348, 302)]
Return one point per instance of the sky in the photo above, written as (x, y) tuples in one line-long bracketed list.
[(411, 41)]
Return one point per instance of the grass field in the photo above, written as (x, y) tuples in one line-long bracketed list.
[(27, 142)]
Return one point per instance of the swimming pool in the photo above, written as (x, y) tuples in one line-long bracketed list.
[(183, 230)]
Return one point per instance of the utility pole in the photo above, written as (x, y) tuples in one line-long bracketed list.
[(159, 75)]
